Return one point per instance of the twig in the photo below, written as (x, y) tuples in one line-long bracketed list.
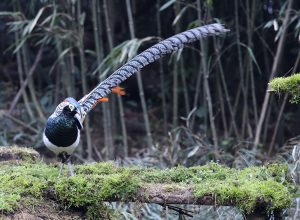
[(181, 211), (25, 83), (18, 121)]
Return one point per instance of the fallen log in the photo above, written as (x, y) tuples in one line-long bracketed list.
[(263, 190)]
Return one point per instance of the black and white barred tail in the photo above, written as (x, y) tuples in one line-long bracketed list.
[(148, 56)]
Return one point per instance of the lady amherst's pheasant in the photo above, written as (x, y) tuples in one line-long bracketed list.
[(62, 130)]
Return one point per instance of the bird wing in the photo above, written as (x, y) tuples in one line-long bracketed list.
[(148, 56)]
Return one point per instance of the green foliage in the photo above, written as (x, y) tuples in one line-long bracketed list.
[(98, 182), (290, 84)]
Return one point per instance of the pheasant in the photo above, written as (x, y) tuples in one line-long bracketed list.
[(62, 131)]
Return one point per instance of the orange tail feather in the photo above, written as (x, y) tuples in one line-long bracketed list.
[(118, 90), (105, 99)]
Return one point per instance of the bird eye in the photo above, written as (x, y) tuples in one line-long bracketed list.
[(72, 107)]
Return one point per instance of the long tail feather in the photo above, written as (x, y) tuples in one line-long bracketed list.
[(148, 56)]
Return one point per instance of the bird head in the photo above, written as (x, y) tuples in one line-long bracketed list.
[(71, 107)]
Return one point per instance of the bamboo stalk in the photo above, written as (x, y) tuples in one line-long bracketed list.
[(25, 83), (83, 71), (139, 80), (185, 88), (280, 114), (222, 107), (119, 98), (175, 76), (197, 94), (275, 66), (225, 89), (21, 73), (250, 23), (161, 73), (108, 144), (31, 86), (235, 103), (240, 67), (206, 84), (65, 74)]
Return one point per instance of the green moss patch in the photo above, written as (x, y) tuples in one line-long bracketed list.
[(98, 182), (290, 84)]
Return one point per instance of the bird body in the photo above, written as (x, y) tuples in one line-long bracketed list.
[(61, 134), (62, 131)]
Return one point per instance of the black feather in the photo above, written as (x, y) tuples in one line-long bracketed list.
[(62, 130)]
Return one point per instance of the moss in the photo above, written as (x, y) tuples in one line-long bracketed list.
[(119, 186), (186, 175), (249, 187), (9, 202), (82, 190), (22, 180), (290, 84), (103, 168), (173, 175), (98, 182)]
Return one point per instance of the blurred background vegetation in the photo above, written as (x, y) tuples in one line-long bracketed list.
[(206, 102), (217, 90)]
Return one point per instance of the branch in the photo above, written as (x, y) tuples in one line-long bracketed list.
[(25, 83)]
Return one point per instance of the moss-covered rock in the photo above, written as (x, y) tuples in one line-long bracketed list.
[(98, 182), (290, 84)]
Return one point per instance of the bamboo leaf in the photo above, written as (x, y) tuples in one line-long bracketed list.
[(269, 24), (82, 19), (35, 20), (65, 52), (23, 40), (134, 48), (114, 53), (10, 13), (167, 4), (250, 52), (120, 54), (254, 59), (180, 14), (193, 152)]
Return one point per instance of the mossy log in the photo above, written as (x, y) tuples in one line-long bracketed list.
[(289, 84), (26, 183)]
